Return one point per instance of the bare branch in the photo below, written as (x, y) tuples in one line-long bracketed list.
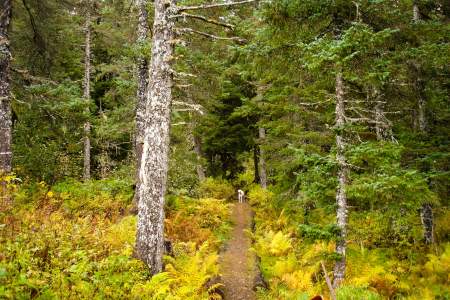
[(205, 19), (191, 107), (213, 5), (363, 119), (181, 86), (182, 74), (314, 103), (211, 36), (180, 123), (27, 76)]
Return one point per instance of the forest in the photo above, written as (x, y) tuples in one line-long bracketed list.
[(225, 149)]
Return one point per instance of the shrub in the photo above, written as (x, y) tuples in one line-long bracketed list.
[(259, 197), (185, 276), (55, 248), (217, 189), (198, 221), (355, 293)]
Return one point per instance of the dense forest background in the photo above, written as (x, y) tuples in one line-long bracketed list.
[(302, 104)]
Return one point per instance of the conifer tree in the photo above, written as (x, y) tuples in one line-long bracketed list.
[(5, 94), (87, 92)]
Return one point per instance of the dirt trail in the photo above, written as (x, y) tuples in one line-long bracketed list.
[(237, 263)]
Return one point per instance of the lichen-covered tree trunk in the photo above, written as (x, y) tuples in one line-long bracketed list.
[(5, 97), (341, 197), (155, 152), (426, 213), (262, 159), (86, 93), (426, 216), (142, 74)]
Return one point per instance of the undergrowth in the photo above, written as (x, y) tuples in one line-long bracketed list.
[(75, 241), (291, 251)]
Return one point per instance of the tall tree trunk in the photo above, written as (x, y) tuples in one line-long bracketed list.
[(86, 92), (421, 101), (262, 159), (341, 197), (426, 213), (257, 179), (141, 103), (155, 152), (198, 152), (5, 96)]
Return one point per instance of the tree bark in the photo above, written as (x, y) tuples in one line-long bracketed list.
[(341, 197), (426, 213), (155, 152), (86, 92), (198, 152), (142, 74), (257, 178), (5, 95), (416, 12), (421, 103), (262, 159), (104, 161), (426, 216), (382, 124), (379, 121)]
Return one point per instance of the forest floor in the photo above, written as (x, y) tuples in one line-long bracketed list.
[(237, 262)]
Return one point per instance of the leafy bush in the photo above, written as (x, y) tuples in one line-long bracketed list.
[(184, 277), (217, 189), (355, 293), (259, 197), (97, 196), (198, 221)]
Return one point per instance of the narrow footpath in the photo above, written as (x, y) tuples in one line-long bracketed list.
[(237, 262)]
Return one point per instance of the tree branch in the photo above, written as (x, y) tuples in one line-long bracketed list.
[(192, 107), (213, 5), (27, 76), (211, 36), (205, 19), (313, 103)]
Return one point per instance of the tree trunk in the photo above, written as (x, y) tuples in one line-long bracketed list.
[(421, 115), (262, 159), (257, 179), (141, 103), (199, 154), (155, 152), (379, 122), (104, 161), (426, 213), (416, 12), (5, 95), (382, 124), (341, 197), (86, 92)]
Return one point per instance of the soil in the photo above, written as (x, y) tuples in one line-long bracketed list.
[(237, 262)]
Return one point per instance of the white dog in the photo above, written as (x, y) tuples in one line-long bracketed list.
[(241, 196)]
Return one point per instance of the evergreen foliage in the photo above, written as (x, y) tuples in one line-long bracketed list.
[(268, 64)]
